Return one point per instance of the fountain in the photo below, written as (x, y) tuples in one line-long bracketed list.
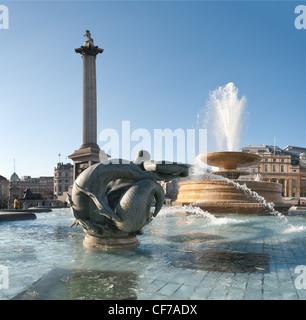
[(226, 193), (223, 194)]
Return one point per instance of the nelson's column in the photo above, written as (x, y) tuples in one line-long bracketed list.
[(88, 154)]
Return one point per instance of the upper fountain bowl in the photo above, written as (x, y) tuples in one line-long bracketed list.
[(230, 160)]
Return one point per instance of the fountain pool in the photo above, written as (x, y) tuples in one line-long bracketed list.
[(196, 256)]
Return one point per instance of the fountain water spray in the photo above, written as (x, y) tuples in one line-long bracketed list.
[(254, 195), (225, 113), (193, 211)]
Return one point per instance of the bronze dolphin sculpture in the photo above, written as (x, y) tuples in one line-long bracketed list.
[(115, 196)]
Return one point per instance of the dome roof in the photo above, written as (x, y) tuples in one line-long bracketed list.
[(2, 178), (14, 176)]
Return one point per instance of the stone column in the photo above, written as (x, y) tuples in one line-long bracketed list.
[(89, 152), (290, 188), (89, 101), (298, 187), (286, 188), (89, 52)]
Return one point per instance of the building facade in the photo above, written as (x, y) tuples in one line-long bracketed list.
[(285, 166), (43, 185), (63, 178), (4, 192)]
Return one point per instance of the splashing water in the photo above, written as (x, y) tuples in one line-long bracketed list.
[(257, 177), (293, 229), (224, 112), (193, 211), (254, 195), (266, 204), (250, 193)]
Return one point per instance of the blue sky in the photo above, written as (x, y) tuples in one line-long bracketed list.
[(160, 61)]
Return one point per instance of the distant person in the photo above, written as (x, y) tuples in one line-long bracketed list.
[(299, 202), (16, 203)]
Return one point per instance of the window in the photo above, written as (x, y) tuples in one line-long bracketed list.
[(266, 167), (266, 160), (274, 168), (282, 169), (282, 160), (274, 160)]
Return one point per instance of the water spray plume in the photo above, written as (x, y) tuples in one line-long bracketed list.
[(225, 112)]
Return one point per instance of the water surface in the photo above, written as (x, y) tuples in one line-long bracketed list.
[(198, 256)]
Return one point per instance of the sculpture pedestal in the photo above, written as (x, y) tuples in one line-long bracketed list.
[(110, 242)]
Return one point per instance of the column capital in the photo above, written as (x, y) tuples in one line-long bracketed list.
[(88, 49)]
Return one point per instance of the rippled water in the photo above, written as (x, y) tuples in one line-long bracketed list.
[(179, 256)]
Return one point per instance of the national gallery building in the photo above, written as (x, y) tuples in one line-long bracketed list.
[(285, 166)]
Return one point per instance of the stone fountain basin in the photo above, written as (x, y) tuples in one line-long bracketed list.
[(230, 160), (218, 196)]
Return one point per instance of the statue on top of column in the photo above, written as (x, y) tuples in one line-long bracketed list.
[(88, 49), (89, 40)]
